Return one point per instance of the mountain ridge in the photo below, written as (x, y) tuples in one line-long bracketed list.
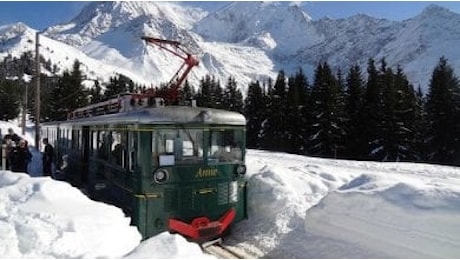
[(246, 40)]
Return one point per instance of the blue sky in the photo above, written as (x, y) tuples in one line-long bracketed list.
[(41, 14)]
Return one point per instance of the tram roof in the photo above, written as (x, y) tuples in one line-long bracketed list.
[(168, 115)]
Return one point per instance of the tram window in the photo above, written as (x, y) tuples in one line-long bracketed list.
[(68, 138), (64, 137), (102, 146), (225, 145), (74, 139), (118, 148), (132, 151), (80, 139), (94, 143), (51, 137), (169, 146), (61, 137), (192, 143), (186, 145)]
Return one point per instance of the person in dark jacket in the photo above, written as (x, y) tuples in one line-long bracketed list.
[(13, 136), (8, 150), (47, 157), (20, 157)]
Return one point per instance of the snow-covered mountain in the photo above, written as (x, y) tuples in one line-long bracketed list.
[(246, 40)]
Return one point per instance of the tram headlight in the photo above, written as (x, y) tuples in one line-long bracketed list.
[(241, 169), (161, 176)]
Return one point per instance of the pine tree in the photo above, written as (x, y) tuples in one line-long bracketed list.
[(13, 70), (217, 94), (9, 100), (118, 85), (254, 111), (397, 137), (326, 113), (210, 93), (354, 101), (372, 112), (204, 92), (341, 116), (232, 98), (421, 125), (274, 131), (47, 86), (58, 109), (168, 93), (442, 109), (387, 139), (96, 93), (68, 94), (408, 115), (296, 118), (80, 98), (186, 93)]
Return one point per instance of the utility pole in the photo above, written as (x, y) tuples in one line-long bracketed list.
[(24, 109), (37, 93)]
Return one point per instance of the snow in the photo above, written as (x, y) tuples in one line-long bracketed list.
[(105, 38), (299, 207)]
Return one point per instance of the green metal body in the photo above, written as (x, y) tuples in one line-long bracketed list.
[(87, 157)]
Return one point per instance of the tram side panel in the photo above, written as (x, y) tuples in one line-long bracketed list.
[(141, 207), (110, 174), (193, 192)]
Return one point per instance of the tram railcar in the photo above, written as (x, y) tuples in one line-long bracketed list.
[(171, 168)]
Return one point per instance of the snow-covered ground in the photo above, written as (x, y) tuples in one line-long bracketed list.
[(300, 207)]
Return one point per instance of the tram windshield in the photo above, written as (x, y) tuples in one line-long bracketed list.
[(186, 146), (178, 146), (225, 146)]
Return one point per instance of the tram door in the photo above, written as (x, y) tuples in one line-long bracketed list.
[(85, 155)]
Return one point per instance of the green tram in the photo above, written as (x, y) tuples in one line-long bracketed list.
[(175, 168)]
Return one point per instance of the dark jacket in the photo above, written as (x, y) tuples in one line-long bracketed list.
[(20, 158), (14, 137), (47, 159), (48, 153)]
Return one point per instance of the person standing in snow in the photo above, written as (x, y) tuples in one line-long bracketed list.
[(47, 157), (13, 136), (20, 157), (8, 150)]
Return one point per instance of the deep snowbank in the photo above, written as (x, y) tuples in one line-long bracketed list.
[(299, 207), (371, 226), (41, 218), (303, 207)]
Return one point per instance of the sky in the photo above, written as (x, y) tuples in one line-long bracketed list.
[(42, 14), (298, 207)]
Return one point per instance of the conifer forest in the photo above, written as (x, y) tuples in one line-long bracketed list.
[(371, 113)]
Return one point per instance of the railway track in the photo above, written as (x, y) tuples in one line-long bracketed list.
[(226, 252)]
